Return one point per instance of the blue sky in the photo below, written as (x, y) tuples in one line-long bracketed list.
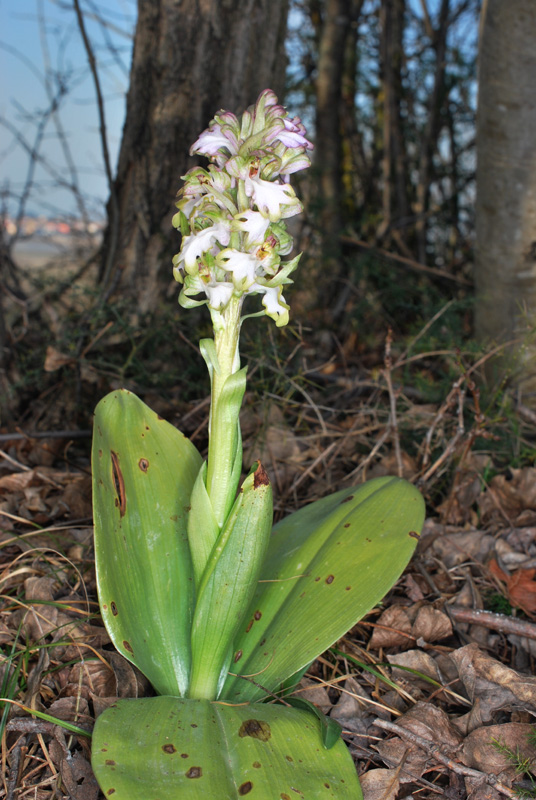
[(33, 32)]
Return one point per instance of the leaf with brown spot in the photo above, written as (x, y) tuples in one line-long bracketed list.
[(256, 750), (312, 558), (138, 538)]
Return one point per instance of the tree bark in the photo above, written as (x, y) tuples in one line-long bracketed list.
[(356, 171), (328, 151), (395, 205), (190, 59), (429, 144), (505, 266)]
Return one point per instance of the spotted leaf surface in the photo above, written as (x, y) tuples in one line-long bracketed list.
[(327, 565), (165, 748), (143, 473)]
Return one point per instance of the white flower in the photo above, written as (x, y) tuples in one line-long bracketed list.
[(242, 266), (254, 224), (270, 197), (220, 135), (196, 244), (273, 301), (218, 294)]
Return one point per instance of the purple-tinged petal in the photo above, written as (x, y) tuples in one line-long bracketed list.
[(269, 196)]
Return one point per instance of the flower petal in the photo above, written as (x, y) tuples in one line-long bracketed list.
[(254, 224), (274, 303), (196, 244), (269, 196), (218, 294), (242, 266)]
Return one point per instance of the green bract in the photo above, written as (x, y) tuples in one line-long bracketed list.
[(216, 608)]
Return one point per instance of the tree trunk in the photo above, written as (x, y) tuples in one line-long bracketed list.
[(395, 204), (356, 177), (328, 151), (190, 59), (505, 268), (429, 144)]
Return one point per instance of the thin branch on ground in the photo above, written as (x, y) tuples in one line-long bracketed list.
[(434, 750)]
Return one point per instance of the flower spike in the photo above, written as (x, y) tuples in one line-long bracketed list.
[(231, 214)]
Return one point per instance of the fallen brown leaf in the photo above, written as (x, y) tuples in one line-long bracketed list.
[(484, 748), (318, 695), (520, 586), (393, 629), (511, 496), (416, 660), (55, 360), (431, 624), (380, 784), (491, 686), (428, 722)]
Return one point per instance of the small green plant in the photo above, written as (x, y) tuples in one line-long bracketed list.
[(221, 612), (522, 765)]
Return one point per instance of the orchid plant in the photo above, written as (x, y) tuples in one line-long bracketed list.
[(222, 613)]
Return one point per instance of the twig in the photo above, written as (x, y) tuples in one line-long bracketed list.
[(56, 120), (400, 360), (496, 622), (408, 262), (8, 437), (312, 466), (460, 431), (433, 749), (393, 422), (379, 444), (114, 206)]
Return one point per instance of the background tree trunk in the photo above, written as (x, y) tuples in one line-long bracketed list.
[(328, 150), (394, 188), (430, 141), (189, 60), (505, 268)]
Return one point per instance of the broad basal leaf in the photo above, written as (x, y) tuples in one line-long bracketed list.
[(327, 565), (168, 748), (143, 473)]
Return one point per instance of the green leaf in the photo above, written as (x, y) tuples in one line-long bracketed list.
[(228, 582), (327, 566), (170, 748), (330, 728), (143, 473), (203, 529)]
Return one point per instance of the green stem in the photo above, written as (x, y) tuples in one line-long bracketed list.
[(224, 427)]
